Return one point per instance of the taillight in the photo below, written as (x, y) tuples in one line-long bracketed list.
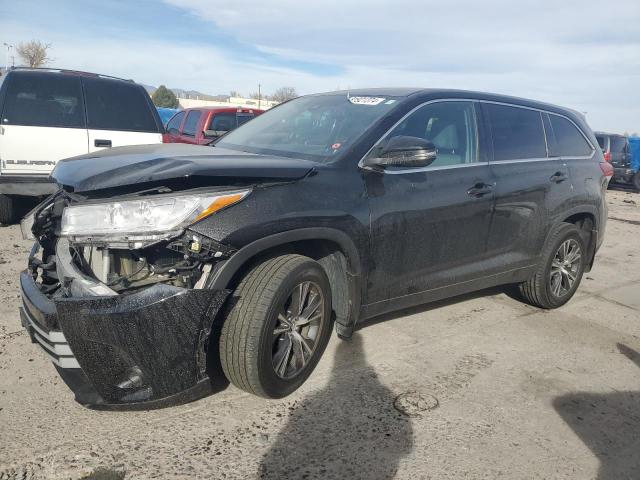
[(607, 169), (607, 156)]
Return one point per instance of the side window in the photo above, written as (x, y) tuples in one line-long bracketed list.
[(517, 133), (223, 122), (569, 142), (173, 126), (44, 100), (602, 142), (118, 105), (191, 123), (450, 126)]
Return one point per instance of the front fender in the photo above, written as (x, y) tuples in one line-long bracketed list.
[(348, 317), (225, 273)]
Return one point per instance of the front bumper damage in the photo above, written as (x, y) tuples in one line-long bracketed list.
[(144, 349)]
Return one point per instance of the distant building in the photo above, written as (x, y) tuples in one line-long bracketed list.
[(233, 102)]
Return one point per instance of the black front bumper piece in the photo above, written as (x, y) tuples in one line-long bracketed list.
[(140, 350)]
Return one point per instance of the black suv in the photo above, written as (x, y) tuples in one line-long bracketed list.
[(155, 264)]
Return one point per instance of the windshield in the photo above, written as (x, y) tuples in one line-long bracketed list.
[(317, 127)]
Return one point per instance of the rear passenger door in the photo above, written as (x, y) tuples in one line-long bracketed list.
[(42, 122), (530, 188), (190, 127), (567, 142), (119, 113)]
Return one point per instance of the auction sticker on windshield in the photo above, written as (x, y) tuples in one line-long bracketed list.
[(366, 100)]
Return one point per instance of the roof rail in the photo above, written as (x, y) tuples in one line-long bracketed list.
[(72, 72)]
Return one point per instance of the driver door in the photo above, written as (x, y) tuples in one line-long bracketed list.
[(430, 225)]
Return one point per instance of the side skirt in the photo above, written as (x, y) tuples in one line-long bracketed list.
[(379, 308)]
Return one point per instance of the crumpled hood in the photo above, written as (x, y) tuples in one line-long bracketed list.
[(122, 166)]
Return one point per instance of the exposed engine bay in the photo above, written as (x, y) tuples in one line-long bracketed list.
[(183, 260)]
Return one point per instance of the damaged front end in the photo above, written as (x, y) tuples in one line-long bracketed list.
[(116, 292)]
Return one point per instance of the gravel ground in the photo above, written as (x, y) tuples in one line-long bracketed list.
[(481, 386)]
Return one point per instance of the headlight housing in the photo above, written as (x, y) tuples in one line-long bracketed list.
[(143, 219)]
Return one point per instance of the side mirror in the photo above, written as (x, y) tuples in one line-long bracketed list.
[(403, 151)]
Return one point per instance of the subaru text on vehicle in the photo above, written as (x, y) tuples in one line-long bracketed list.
[(154, 264), (50, 114)]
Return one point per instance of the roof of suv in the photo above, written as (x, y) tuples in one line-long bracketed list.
[(452, 93), (77, 73)]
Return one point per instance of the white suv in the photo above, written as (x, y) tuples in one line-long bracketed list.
[(48, 115)]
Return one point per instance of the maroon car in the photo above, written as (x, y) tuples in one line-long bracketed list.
[(199, 126)]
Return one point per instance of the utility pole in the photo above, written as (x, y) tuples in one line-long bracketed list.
[(9, 47), (259, 96)]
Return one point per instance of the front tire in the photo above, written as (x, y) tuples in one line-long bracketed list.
[(560, 271), (277, 326), (636, 181)]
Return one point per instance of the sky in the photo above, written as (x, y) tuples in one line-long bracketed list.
[(580, 54)]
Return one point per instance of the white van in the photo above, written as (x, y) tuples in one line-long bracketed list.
[(47, 115)]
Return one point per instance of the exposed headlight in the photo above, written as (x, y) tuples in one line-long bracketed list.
[(148, 218), (26, 224)]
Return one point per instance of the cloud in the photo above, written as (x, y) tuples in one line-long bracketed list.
[(574, 53)]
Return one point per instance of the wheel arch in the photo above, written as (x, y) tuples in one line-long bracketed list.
[(332, 248), (586, 218)]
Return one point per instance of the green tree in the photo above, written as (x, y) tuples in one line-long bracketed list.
[(163, 97)]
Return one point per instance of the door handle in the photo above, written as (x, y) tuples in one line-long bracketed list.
[(558, 177), (98, 142), (480, 189)]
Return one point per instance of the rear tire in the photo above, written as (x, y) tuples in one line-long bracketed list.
[(560, 271), (636, 181), (264, 347), (8, 211)]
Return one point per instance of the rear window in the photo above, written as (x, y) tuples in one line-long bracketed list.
[(602, 142), (228, 121), (618, 144), (118, 105), (569, 142), (244, 118), (191, 123), (517, 133), (44, 100), (223, 122)]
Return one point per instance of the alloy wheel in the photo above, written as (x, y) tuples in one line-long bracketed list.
[(565, 268), (297, 329)]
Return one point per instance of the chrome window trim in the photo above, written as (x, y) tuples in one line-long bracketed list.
[(476, 100), (437, 167), (593, 149), (544, 132), (524, 160)]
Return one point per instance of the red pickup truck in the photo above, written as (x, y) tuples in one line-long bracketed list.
[(200, 126)]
